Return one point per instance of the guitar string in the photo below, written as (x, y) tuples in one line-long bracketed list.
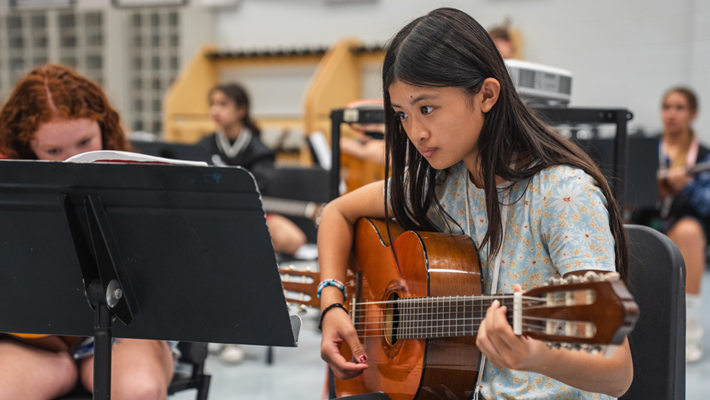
[(413, 321), (428, 335), (436, 310), (431, 310), (462, 298), (400, 331), (419, 321), (425, 335), (432, 330)]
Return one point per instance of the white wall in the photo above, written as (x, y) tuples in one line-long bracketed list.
[(623, 53)]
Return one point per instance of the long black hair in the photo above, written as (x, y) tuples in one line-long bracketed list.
[(240, 98), (448, 48)]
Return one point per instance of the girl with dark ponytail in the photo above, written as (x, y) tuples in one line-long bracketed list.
[(465, 155)]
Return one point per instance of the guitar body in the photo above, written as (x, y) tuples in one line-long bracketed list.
[(430, 264)]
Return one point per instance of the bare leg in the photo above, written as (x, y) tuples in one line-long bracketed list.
[(30, 373), (286, 236), (140, 370), (688, 235)]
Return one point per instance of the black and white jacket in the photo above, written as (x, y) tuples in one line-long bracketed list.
[(248, 151)]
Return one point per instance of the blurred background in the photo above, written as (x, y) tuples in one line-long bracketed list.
[(299, 59), (143, 53)]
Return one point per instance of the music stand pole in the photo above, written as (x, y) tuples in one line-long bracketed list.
[(109, 290), (102, 341)]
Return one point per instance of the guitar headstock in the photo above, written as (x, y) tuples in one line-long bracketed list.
[(300, 286), (580, 313)]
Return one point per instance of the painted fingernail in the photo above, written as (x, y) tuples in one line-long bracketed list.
[(363, 359)]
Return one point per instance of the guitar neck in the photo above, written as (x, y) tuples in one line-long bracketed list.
[(698, 168), (432, 317), (293, 208), (694, 170)]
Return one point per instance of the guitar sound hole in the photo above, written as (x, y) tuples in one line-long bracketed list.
[(391, 318)]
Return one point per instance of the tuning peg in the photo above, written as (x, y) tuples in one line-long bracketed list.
[(554, 281), (594, 277), (589, 348), (612, 276), (553, 345), (575, 279), (609, 351), (595, 349), (291, 267)]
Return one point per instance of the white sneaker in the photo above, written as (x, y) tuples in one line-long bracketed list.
[(214, 348), (693, 345), (231, 354)]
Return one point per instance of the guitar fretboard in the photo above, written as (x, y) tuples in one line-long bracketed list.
[(438, 317)]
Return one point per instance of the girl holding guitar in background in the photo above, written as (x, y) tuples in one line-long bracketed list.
[(685, 198), (54, 114), (466, 156)]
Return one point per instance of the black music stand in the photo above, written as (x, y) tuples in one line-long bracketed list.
[(172, 252)]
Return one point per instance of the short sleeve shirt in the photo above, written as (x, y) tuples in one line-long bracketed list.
[(556, 223)]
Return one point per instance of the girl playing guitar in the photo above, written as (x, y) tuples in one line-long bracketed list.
[(685, 198), (467, 156)]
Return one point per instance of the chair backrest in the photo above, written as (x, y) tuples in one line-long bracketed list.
[(657, 281), (305, 184)]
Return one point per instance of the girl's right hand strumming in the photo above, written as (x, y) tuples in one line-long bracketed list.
[(335, 239), (338, 328)]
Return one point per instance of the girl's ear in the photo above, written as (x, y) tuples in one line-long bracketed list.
[(489, 94), (693, 116), (241, 112)]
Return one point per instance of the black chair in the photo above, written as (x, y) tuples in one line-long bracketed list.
[(193, 354), (657, 282)]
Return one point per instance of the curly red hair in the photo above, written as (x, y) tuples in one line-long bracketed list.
[(55, 92)]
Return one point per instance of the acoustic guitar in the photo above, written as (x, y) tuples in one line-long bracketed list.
[(417, 315), (48, 342)]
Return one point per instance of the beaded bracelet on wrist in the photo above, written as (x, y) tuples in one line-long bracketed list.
[(333, 282)]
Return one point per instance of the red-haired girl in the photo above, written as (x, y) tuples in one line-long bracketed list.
[(53, 114)]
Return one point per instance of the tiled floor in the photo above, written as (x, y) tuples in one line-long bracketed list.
[(697, 384), (300, 373)]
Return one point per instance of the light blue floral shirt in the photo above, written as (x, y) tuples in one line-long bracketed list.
[(559, 225)]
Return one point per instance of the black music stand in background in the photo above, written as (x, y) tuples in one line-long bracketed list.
[(595, 116), (163, 252), (352, 116)]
